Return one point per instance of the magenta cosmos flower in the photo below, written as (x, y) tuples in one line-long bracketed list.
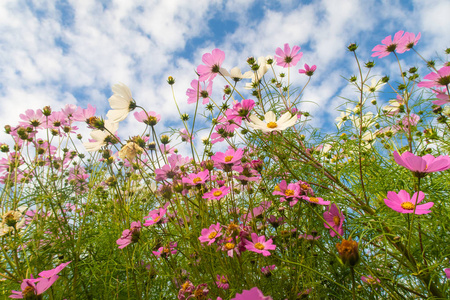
[(259, 244), (316, 200), (166, 250), (33, 287), (196, 178), (308, 71), (222, 282), (334, 219), (55, 271), (155, 216), (439, 79), (217, 193), (405, 204), (199, 91), (389, 45), (130, 235), (370, 280), (230, 160), (287, 58), (252, 294), (210, 234), (212, 65), (421, 165)]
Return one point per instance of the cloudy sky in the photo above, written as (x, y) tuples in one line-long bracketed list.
[(72, 51)]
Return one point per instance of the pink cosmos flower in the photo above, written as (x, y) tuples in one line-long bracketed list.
[(267, 270), (82, 115), (390, 45), (166, 250), (309, 237), (230, 160), (212, 65), (196, 178), (55, 271), (287, 58), (155, 216), (308, 71), (370, 280), (150, 118), (257, 211), (210, 234), (420, 166), (439, 79), (289, 192), (409, 41), (316, 200), (240, 110), (405, 204), (130, 235), (252, 294), (222, 282), (217, 193), (33, 287), (441, 94), (69, 110), (259, 244), (199, 91), (186, 136), (33, 118), (334, 219)]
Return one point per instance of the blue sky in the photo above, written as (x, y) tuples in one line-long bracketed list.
[(73, 51)]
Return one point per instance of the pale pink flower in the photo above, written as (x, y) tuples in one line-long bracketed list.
[(33, 287), (421, 165), (308, 71), (370, 280), (155, 216), (150, 118), (409, 41), (389, 45), (439, 79), (82, 114), (212, 65), (287, 58), (198, 91)]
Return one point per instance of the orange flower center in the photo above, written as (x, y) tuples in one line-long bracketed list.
[(316, 200), (217, 193), (336, 220), (196, 179), (407, 205), (272, 125), (228, 158), (259, 246), (212, 235), (277, 188), (289, 192), (304, 186), (229, 246)]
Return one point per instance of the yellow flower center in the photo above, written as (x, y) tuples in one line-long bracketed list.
[(407, 205), (336, 220), (229, 246), (371, 280), (156, 219), (217, 193), (314, 199), (185, 285), (224, 280), (289, 192), (277, 188), (304, 186), (228, 158), (196, 179), (259, 246), (272, 125), (212, 235)]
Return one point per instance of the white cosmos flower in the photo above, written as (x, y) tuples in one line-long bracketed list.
[(374, 86), (237, 75), (344, 117), (270, 122), (366, 121), (100, 136), (121, 103)]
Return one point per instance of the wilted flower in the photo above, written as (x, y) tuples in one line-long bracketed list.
[(130, 151), (348, 251)]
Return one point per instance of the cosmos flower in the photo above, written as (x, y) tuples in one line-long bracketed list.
[(308, 71), (101, 137), (222, 282), (252, 294), (403, 203), (150, 118), (55, 271), (270, 122), (212, 65), (237, 75), (287, 58), (439, 79), (121, 103), (409, 41), (130, 235), (217, 193), (370, 280), (199, 90), (130, 151), (259, 244), (210, 234), (421, 165), (334, 219), (389, 45), (33, 287)]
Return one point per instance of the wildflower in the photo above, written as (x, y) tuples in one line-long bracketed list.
[(403, 203), (222, 282), (210, 234), (259, 244), (155, 216), (257, 211), (33, 118), (217, 193), (334, 219), (374, 86), (150, 118), (395, 106), (308, 71), (33, 288), (130, 151), (55, 271), (420, 166), (252, 294), (237, 75), (121, 103), (83, 115), (212, 65), (270, 122), (289, 192), (287, 58), (409, 41), (275, 222), (447, 273), (342, 118), (229, 160), (439, 79), (348, 251), (316, 200), (185, 135), (196, 178), (166, 250), (370, 280), (101, 137), (198, 91), (130, 235), (389, 45), (12, 220), (267, 270)]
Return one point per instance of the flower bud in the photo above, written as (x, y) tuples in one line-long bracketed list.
[(348, 251), (170, 80)]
